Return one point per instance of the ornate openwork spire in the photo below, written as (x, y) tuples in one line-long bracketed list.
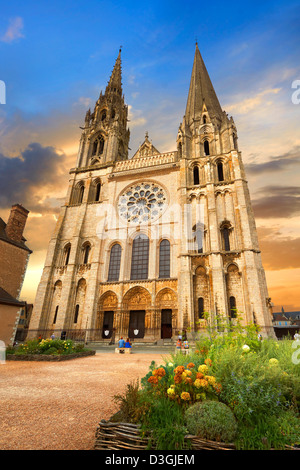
[(115, 81)]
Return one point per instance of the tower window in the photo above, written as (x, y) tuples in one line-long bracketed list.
[(206, 147), (114, 263), (87, 250), (200, 308), (67, 252), (98, 146), (140, 258), (196, 175), (164, 259), (232, 307), (98, 189), (55, 315), (220, 171), (226, 238), (76, 313), (103, 115), (80, 194), (204, 119)]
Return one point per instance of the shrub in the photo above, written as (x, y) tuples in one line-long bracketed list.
[(211, 420)]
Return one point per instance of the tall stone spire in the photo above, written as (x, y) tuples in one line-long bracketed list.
[(201, 92)]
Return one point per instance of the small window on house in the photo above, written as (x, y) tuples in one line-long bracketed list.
[(76, 313), (206, 147), (220, 171), (196, 175)]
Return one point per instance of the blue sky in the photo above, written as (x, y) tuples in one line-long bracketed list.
[(56, 57)]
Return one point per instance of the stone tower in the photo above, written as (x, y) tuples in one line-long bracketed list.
[(144, 246)]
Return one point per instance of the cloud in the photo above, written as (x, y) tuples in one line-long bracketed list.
[(32, 178), (248, 104), (14, 30), (278, 252), (275, 164), (277, 202)]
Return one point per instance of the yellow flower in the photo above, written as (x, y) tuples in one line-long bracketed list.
[(210, 379), (185, 396), (203, 368), (171, 391), (273, 361)]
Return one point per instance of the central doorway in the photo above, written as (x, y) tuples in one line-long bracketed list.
[(137, 324), (166, 323)]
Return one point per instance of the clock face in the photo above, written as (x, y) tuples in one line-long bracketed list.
[(142, 203)]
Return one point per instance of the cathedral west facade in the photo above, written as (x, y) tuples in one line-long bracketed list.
[(145, 246)]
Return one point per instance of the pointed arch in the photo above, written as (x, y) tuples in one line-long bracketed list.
[(164, 259), (114, 263), (140, 257)]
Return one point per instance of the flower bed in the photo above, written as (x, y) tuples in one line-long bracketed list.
[(235, 391), (47, 350)]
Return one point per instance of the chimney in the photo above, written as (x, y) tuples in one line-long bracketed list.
[(16, 222)]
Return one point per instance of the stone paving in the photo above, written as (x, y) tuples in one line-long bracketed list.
[(57, 406)]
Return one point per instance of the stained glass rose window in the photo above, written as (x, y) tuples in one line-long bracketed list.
[(142, 203)]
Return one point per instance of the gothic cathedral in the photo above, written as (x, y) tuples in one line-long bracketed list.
[(159, 243)]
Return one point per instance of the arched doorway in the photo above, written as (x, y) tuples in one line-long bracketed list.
[(166, 306), (108, 305), (136, 306)]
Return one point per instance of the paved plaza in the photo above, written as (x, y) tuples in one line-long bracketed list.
[(58, 405)]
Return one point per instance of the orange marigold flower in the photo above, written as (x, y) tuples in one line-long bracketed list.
[(199, 375), (153, 379), (190, 365), (218, 388), (177, 379), (188, 380), (179, 370), (160, 372), (185, 396)]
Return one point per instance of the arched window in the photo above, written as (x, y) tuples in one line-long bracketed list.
[(198, 231), (55, 315), (232, 307), (98, 146), (103, 115), (196, 175), (67, 251), (76, 313), (164, 259), (200, 308), (140, 257), (98, 190), (226, 241), (220, 171), (206, 147), (114, 263), (86, 253), (95, 191), (80, 194), (204, 119)]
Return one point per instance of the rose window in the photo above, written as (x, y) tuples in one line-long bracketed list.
[(142, 203)]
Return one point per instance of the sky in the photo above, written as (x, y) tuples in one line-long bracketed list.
[(56, 57)]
